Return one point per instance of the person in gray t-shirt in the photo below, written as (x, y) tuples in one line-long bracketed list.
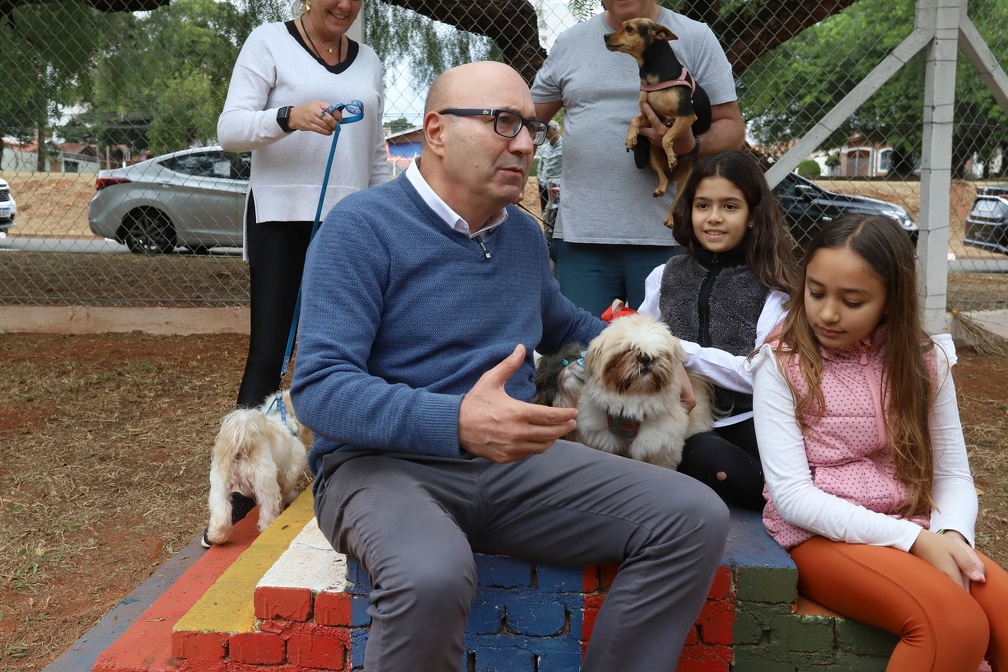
[(609, 233)]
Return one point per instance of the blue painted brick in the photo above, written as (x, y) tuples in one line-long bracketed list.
[(491, 659), (358, 640), (358, 582), (500, 571), (358, 610), (560, 578), (486, 615), (529, 614), (559, 654)]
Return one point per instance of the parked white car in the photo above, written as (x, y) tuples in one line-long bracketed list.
[(193, 198), (8, 208)]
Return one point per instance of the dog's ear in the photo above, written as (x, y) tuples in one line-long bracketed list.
[(659, 33)]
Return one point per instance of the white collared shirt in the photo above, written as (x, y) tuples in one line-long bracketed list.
[(442, 209)]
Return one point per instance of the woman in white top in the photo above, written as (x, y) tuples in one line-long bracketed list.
[(285, 78)]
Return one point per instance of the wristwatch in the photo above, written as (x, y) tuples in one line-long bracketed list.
[(692, 156), (283, 118)]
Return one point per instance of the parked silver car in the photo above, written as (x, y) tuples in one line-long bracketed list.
[(193, 198), (8, 208)]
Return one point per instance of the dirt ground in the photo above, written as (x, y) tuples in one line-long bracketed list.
[(105, 442)]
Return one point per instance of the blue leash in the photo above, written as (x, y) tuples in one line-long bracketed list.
[(352, 111)]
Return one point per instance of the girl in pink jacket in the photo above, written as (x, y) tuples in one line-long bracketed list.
[(867, 478)]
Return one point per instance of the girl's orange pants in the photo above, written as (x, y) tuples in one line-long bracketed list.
[(942, 628)]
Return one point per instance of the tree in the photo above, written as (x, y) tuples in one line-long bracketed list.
[(46, 64), (787, 90), (747, 29)]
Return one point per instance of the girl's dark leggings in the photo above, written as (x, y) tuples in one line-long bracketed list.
[(727, 460)]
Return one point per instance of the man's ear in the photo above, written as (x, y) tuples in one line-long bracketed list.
[(434, 130)]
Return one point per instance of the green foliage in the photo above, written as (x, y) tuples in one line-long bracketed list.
[(169, 73), (428, 47), (809, 168), (788, 90)]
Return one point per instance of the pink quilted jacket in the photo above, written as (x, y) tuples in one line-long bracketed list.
[(848, 450)]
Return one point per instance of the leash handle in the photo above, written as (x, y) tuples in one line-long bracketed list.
[(354, 112)]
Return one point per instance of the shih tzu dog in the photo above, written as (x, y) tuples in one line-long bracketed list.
[(559, 379), (630, 402), (260, 453)]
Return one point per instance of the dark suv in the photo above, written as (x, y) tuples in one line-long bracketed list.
[(807, 206), (987, 222)]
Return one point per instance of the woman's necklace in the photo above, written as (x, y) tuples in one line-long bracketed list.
[(318, 43)]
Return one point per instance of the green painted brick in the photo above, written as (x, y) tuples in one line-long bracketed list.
[(862, 639), (746, 629), (752, 660), (763, 584), (844, 663), (805, 634)]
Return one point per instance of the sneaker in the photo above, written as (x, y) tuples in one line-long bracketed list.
[(240, 506)]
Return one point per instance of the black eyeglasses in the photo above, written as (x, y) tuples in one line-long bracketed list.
[(506, 123)]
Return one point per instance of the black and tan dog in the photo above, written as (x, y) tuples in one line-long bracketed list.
[(678, 100)]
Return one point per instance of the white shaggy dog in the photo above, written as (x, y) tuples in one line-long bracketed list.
[(260, 453), (630, 401)]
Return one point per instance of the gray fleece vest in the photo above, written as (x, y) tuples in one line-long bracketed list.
[(716, 301)]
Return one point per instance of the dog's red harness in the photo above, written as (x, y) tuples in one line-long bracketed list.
[(622, 426), (684, 79)]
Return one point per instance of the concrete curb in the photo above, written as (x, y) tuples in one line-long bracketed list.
[(84, 653)]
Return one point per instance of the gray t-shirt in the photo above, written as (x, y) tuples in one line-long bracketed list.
[(606, 198)]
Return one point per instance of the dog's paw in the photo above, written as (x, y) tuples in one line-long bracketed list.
[(668, 221), (672, 160), (659, 192)]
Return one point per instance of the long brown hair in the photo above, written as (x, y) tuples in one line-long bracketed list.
[(907, 394), (769, 247)]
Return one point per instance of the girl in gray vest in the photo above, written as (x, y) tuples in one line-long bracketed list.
[(721, 300)]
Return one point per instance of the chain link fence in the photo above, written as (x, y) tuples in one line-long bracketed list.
[(87, 90)]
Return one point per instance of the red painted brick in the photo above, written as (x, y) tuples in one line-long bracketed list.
[(701, 666), (198, 665), (721, 588), (590, 578), (592, 604), (199, 645), (692, 637), (289, 604), (608, 575), (318, 647), (260, 648), (716, 621), (703, 658), (333, 608)]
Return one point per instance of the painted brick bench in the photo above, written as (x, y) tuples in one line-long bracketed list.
[(309, 612)]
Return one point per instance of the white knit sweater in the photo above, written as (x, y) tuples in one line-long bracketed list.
[(275, 69)]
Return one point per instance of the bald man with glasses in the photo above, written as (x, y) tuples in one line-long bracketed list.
[(423, 301)]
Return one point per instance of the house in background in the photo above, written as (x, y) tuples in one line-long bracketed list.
[(66, 157), (403, 147)]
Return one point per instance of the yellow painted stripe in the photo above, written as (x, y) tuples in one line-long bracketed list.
[(228, 605)]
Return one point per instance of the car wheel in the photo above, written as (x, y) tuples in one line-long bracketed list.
[(149, 232)]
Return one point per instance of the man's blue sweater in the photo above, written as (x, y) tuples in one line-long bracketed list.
[(401, 315)]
